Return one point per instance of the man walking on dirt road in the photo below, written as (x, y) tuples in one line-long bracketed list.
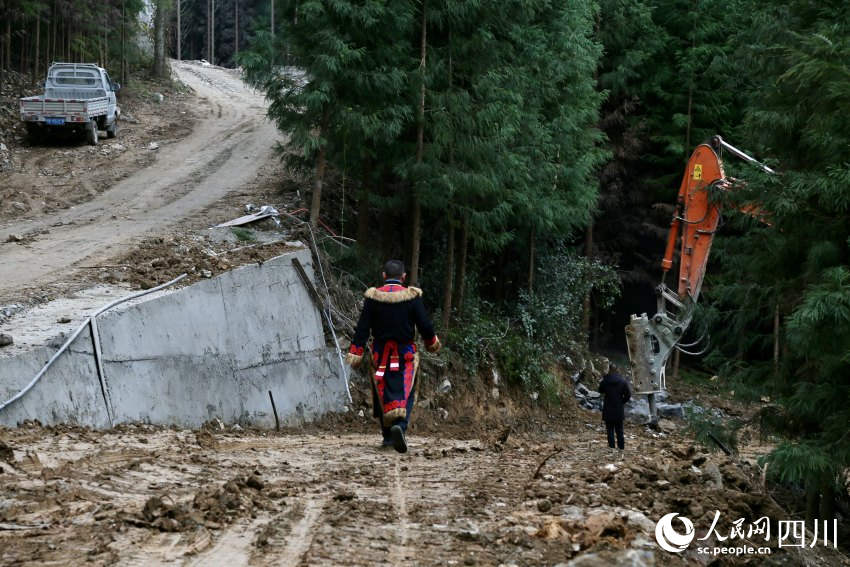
[(615, 393), (392, 313)]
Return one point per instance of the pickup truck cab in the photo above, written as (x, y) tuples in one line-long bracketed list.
[(77, 96)]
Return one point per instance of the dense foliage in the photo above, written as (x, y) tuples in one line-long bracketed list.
[(785, 289), (487, 123), (470, 133)]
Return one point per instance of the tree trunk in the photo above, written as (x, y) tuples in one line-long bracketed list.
[(179, 34), (460, 278), (690, 108), (588, 253), (271, 17), (123, 43), (531, 251), (55, 22), (316, 203), (47, 33), (416, 229), (212, 32), (363, 208), (447, 279), (36, 58), (415, 240), (4, 12), (22, 45), (812, 500), (594, 323), (159, 39), (827, 499), (8, 40), (236, 29), (104, 44), (776, 327), (209, 30), (690, 94)]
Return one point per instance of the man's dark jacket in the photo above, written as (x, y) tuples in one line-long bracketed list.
[(392, 313), (615, 393)]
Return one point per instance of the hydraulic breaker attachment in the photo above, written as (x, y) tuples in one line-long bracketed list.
[(651, 341)]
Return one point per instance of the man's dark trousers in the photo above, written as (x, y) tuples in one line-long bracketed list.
[(615, 426)]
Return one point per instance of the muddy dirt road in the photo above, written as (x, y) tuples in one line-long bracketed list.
[(229, 144), (140, 495)]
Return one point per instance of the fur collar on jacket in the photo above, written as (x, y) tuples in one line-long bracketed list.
[(403, 294)]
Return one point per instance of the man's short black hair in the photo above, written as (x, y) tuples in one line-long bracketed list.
[(394, 269)]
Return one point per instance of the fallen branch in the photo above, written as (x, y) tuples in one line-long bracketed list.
[(543, 462), (719, 444), (20, 527)]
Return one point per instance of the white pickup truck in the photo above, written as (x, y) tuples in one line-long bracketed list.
[(77, 96)]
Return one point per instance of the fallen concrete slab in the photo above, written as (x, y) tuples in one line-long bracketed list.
[(211, 350)]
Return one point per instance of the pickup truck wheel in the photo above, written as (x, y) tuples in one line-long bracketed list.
[(112, 129), (91, 133)]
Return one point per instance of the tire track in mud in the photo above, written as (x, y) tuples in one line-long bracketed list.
[(233, 548), (158, 550), (301, 536), (400, 557)]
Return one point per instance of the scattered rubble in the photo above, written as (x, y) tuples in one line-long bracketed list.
[(213, 506), (6, 453), (636, 409), (328, 486)]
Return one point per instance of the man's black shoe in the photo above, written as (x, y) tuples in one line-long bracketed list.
[(399, 443)]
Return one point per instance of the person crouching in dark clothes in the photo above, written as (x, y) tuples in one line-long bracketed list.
[(391, 314), (615, 393)]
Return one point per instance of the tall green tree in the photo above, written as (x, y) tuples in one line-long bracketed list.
[(786, 289)]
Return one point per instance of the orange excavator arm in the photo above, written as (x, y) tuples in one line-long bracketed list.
[(696, 216), (697, 213)]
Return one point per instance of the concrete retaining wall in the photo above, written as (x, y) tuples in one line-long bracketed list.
[(211, 350)]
